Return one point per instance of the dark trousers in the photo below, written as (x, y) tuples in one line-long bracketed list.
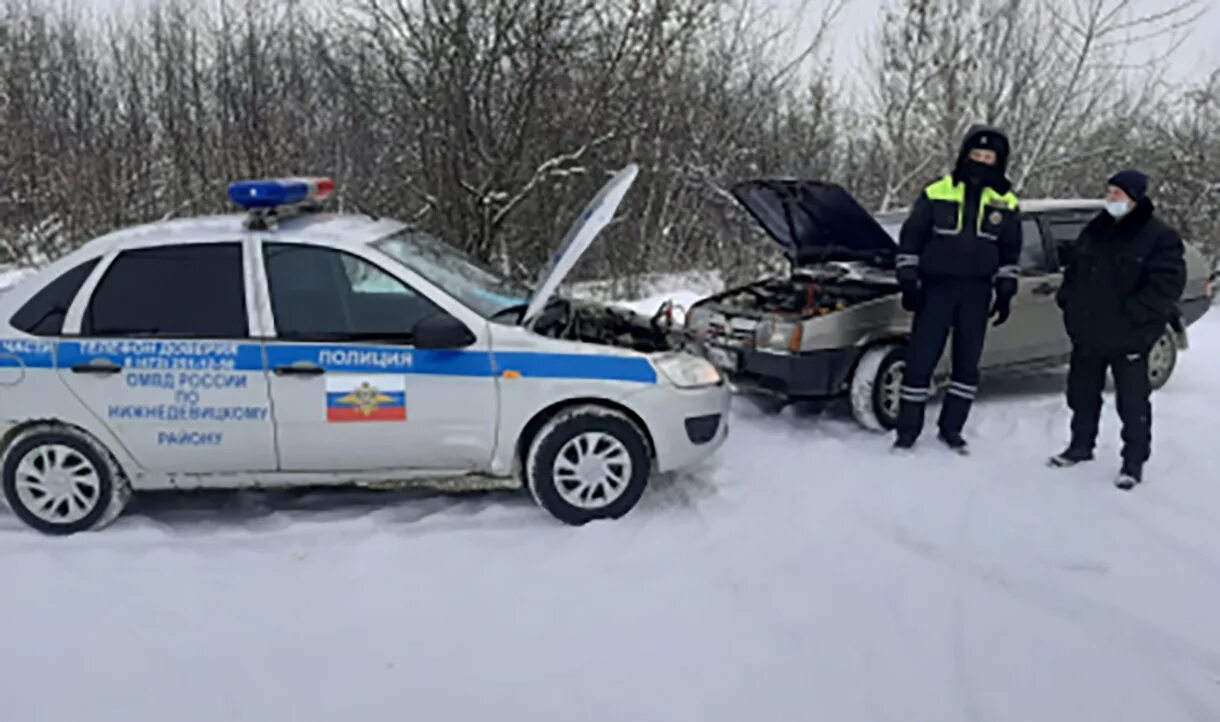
[(1087, 378), (961, 306)]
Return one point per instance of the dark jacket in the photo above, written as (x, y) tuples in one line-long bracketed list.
[(1122, 286), (983, 242)]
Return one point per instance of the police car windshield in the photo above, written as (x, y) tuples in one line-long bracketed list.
[(449, 268)]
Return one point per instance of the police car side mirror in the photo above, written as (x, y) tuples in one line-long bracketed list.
[(442, 331)]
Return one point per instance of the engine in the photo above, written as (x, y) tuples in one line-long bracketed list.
[(595, 323), (800, 295)]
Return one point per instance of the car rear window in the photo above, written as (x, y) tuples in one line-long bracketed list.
[(182, 291), (43, 314)]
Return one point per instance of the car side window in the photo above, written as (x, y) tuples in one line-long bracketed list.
[(324, 294), (1033, 260), (43, 314), (1064, 232), (180, 291)]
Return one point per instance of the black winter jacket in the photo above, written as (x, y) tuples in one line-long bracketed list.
[(965, 253), (1122, 286)]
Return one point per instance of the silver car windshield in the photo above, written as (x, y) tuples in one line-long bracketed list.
[(472, 283), (892, 222)]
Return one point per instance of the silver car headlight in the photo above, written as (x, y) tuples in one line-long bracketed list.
[(698, 321), (775, 334), (686, 371)]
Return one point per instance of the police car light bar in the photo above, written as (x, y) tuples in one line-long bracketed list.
[(267, 194)]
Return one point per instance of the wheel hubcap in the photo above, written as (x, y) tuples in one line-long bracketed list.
[(57, 484), (1159, 359), (592, 470), (891, 389)]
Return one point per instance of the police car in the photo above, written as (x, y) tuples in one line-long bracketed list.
[(286, 346)]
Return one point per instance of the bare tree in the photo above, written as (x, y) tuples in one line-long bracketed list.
[(492, 122)]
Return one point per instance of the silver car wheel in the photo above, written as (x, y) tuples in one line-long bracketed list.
[(1161, 361), (592, 470), (890, 394), (58, 484)]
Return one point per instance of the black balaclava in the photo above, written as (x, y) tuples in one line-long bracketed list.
[(973, 172)]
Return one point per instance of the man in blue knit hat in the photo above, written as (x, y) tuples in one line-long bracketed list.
[(1119, 293)]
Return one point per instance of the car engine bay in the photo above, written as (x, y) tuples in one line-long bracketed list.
[(609, 326), (807, 294)]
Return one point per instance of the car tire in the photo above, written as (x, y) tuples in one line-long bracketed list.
[(588, 463), (1162, 360), (875, 387), (59, 481)]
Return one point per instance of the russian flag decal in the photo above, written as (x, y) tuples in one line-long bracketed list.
[(372, 397)]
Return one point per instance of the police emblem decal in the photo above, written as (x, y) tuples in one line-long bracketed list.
[(354, 398)]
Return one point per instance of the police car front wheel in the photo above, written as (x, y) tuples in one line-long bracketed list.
[(588, 463), (60, 482)]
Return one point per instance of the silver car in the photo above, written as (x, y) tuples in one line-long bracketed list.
[(835, 327)]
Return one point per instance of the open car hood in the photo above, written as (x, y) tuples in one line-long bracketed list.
[(596, 216), (815, 221)]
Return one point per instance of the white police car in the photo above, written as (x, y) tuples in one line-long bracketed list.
[(286, 346)]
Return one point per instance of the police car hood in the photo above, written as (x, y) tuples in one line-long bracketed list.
[(596, 216), (816, 221)]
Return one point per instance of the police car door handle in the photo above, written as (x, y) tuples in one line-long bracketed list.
[(97, 366), (300, 369)]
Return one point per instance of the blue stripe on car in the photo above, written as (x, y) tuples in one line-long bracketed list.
[(154, 355), (578, 366)]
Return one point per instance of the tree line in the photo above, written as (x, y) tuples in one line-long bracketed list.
[(491, 122)]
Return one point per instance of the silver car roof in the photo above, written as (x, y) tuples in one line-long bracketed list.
[(1059, 204), (1035, 205)]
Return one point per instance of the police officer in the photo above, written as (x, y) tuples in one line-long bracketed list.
[(1120, 292), (958, 248)]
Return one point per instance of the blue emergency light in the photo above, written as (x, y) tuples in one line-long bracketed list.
[(263, 194)]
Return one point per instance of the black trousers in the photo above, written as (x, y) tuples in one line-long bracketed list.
[(961, 306), (1087, 379)]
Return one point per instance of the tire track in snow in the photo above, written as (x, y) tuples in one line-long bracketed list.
[(1188, 701), (1191, 556), (1104, 621), (971, 704)]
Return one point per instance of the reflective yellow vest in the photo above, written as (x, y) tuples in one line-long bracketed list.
[(949, 202)]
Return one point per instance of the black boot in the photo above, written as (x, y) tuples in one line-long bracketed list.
[(904, 442), (1071, 456), (954, 441), (1131, 475)]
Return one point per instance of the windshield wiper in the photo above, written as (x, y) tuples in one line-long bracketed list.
[(521, 308), (516, 308)]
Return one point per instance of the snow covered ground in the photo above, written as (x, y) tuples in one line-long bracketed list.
[(804, 573)]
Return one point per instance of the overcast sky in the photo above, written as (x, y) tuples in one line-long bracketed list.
[(1197, 55)]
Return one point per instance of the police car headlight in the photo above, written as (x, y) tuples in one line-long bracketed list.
[(774, 334), (686, 371)]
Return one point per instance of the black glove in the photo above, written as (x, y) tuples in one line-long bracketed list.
[(912, 294), (1005, 289), (908, 278)]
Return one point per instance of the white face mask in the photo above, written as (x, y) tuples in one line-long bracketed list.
[(1118, 209)]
